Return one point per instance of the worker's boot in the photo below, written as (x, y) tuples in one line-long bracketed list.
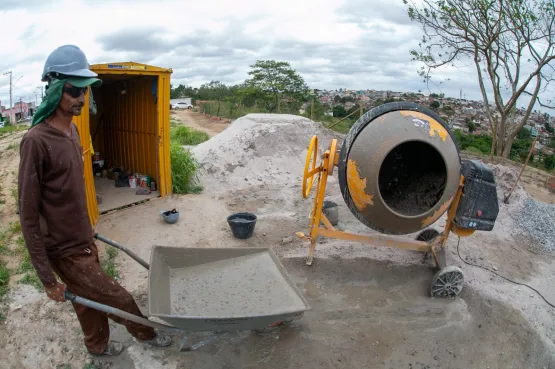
[(161, 339), (113, 349)]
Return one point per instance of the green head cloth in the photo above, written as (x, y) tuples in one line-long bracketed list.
[(54, 93)]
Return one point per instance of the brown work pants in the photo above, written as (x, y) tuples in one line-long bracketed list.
[(83, 276)]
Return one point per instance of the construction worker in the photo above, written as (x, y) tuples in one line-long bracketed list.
[(53, 208)]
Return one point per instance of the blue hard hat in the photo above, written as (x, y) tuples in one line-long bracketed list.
[(68, 60)]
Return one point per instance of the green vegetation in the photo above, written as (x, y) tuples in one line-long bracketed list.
[(184, 135), (549, 162), (481, 144), (339, 111), (184, 170), (90, 366), (25, 266), (15, 198), (14, 227), (13, 145), (109, 263), (9, 129), (32, 279), (4, 279)]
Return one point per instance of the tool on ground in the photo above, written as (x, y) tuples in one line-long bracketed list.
[(399, 171), (205, 290)]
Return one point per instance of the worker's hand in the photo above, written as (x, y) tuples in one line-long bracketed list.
[(56, 293)]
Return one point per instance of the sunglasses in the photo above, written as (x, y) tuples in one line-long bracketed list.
[(75, 92)]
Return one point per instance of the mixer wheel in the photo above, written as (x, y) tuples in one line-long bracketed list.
[(448, 282)]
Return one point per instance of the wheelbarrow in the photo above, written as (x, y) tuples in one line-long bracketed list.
[(218, 290)]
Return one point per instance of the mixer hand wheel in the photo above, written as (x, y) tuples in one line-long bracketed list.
[(310, 166)]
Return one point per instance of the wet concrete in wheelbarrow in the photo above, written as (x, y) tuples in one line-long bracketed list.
[(368, 314)]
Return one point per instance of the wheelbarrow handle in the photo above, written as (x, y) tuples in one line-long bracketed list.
[(119, 313), (136, 257)]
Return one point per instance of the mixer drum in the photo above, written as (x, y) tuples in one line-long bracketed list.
[(399, 168)]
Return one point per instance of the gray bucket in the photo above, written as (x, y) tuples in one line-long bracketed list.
[(242, 224)]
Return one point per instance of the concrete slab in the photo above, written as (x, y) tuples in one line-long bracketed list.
[(114, 197)]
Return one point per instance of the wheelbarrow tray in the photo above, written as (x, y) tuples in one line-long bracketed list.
[(221, 289)]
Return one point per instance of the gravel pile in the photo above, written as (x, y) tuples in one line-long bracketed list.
[(536, 220)]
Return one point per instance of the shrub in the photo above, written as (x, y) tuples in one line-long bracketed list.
[(184, 135), (474, 150), (4, 279), (184, 170)]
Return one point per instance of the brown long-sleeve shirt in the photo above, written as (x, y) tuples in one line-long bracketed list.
[(52, 199)]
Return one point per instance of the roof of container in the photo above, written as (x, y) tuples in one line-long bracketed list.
[(128, 68)]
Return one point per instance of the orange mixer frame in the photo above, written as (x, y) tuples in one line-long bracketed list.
[(446, 277)]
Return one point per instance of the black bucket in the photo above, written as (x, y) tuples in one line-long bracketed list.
[(242, 224)]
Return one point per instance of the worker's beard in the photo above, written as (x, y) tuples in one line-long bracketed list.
[(77, 110)]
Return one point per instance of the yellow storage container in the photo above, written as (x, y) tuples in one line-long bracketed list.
[(130, 130)]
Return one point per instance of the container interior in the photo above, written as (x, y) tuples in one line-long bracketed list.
[(123, 133)]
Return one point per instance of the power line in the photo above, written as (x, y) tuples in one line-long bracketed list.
[(27, 92), (505, 278)]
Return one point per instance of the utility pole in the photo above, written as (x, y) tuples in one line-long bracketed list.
[(11, 102)]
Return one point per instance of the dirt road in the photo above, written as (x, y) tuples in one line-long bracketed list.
[(200, 122)]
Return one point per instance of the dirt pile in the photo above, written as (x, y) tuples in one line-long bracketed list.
[(259, 150), (505, 178)]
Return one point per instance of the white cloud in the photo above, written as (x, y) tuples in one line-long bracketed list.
[(333, 43)]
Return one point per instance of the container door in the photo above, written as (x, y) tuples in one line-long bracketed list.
[(83, 127)]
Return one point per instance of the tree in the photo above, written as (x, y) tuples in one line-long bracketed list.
[(339, 111), (276, 79), (471, 127), (345, 99), (524, 134), (511, 44), (214, 90), (435, 105), (352, 110), (548, 128), (549, 162), (182, 91), (336, 98)]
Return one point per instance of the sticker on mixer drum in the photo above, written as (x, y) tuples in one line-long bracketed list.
[(427, 124)]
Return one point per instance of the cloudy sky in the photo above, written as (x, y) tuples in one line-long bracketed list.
[(355, 44)]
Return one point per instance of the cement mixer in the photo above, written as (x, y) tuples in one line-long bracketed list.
[(399, 171)]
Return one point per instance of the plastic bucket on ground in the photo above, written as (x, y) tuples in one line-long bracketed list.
[(242, 224)]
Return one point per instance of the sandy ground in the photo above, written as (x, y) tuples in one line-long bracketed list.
[(370, 306), (200, 122)]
